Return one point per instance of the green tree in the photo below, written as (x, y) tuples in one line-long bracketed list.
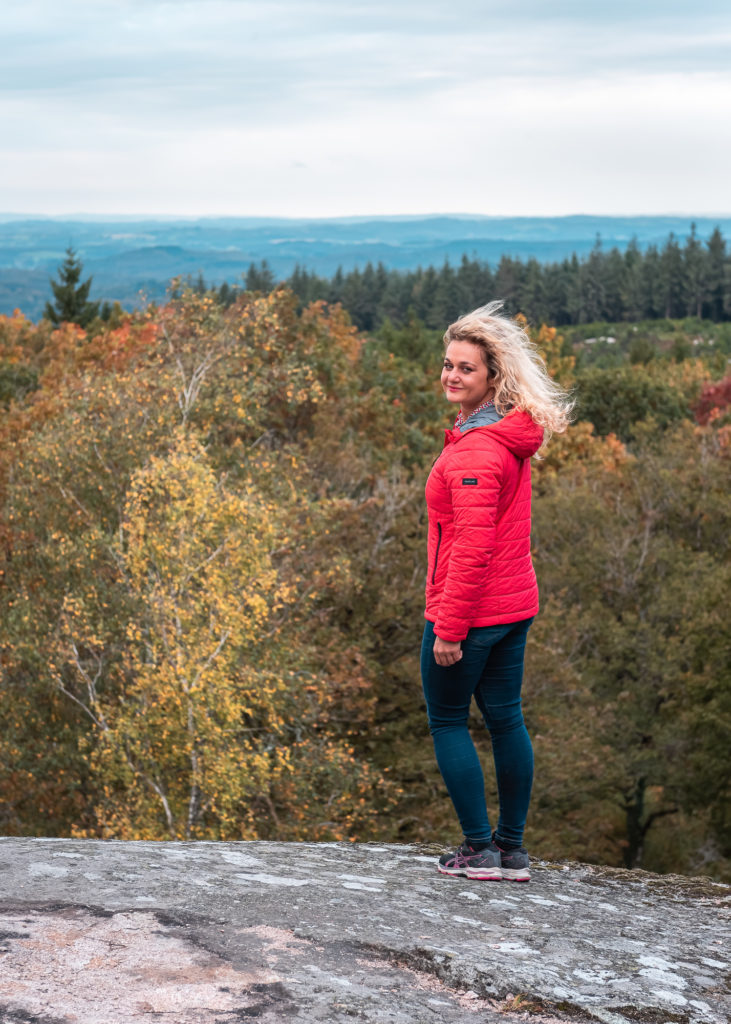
[(259, 279), (716, 262), (508, 280), (16, 382), (446, 300), (575, 291), (696, 274), (628, 670), (615, 400), (651, 276), (672, 278), (475, 283), (594, 277), (615, 284), (71, 298), (632, 294), (425, 285), (532, 296)]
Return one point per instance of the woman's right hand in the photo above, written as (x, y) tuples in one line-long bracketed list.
[(447, 653)]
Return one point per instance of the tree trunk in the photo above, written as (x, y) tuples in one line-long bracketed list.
[(637, 829), (634, 805)]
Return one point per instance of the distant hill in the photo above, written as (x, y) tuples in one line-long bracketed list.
[(129, 257)]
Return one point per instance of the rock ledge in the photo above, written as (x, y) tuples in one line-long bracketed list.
[(217, 933)]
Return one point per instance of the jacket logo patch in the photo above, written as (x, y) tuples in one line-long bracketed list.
[(469, 481)]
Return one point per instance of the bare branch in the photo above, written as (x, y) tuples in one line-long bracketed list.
[(97, 722), (157, 788), (212, 656), (69, 495), (202, 565)]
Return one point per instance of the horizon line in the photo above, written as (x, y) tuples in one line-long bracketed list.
[(8, 216)]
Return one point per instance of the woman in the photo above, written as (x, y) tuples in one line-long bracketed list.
[(481, 592)]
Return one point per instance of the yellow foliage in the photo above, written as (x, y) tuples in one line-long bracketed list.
[(550, 345), (581, 451), (172, 602)]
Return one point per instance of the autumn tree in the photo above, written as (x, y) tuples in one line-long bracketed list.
[(616, 400), (100, 469), (629, 653), (195, 724), (211, 582)]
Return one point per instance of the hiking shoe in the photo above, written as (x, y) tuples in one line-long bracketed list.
[(478, 864), (515, 865)]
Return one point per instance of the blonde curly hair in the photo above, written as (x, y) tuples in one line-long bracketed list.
[(516, 368)]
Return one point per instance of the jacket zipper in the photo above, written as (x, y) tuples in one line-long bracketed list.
[(436, 553)]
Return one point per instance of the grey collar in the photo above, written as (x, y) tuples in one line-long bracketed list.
[(482, 418)]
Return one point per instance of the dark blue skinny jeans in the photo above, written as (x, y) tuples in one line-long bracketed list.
[(491, 670)]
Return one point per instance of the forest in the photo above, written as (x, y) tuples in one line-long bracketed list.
[(668, 282), (212, 559)]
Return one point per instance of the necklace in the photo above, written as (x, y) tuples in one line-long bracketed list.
[(489, 404)]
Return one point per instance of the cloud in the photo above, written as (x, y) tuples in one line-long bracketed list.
[(273, 49), (139, 105)]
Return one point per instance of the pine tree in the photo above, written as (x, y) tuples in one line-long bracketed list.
[(71, 298), (716, 261), (335, 291), (531, 294), (615, 277), (672, 278), (260, 279), (593, 272), (508, 278), (652, 285), (696, 274), (445, 307), (632, 293), (575, 298)]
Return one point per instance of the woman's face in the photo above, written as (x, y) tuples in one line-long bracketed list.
[(464, 376)]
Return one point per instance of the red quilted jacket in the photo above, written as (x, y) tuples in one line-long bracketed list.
[(478, 497)]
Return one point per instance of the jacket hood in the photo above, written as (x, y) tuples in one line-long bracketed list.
[(516, 431)]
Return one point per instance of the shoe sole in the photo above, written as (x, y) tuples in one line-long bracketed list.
[(492, 875), (485, 875), (516, 874)]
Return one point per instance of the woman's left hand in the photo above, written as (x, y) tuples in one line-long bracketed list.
[(447, 653)]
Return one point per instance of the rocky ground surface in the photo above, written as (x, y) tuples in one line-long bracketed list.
[(218, 933)]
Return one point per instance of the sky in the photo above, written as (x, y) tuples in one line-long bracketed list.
[(317, 109)]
